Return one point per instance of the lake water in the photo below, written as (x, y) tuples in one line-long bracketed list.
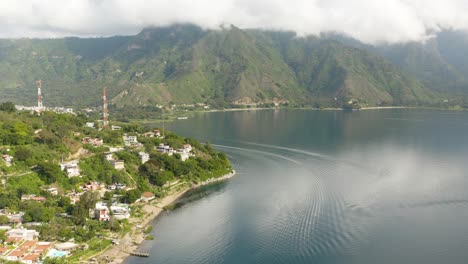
[(380, 186)]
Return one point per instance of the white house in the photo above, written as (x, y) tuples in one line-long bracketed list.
[(101, 212), (144, 157), (71, 168), (187, 147), (23, 233), (165, 149), (90, 124), (130, 140), (120, 211), (116, 128)]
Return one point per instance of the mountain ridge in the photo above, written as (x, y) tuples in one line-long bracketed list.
[(184, 64)]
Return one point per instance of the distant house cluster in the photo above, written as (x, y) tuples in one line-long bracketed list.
[(24, 247), (155, 133), (185, 152)]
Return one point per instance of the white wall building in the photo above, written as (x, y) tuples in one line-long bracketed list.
[(22, 233), (144, 157)]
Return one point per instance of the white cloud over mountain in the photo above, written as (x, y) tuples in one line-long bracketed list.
[(370, 21)]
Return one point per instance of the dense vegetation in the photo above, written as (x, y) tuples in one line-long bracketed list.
[(39, 143), (184, 64)]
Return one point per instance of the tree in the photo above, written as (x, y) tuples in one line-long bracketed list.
[(49, 172), (8, 107), (131, 196), (23, 153), (4, 220), (3, 236), (162, 177), (87, 201)]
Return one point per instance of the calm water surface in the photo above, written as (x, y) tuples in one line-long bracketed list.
[(383, 186)]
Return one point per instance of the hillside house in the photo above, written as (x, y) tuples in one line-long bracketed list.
[(144, 157), (118, 164), (116, 128), (95, 142), (165, 149), (187, 147), (71, 168), (147, 196), (32, 197), (130, 140), (101, 212), (26, 234), (7, 159), (93, 186)]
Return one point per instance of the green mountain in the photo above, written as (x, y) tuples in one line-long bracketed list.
[(184, 64), (439, 63)]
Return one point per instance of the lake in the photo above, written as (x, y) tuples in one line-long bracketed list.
[(377, 186)]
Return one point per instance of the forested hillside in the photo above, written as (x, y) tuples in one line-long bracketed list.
[(184, 64)]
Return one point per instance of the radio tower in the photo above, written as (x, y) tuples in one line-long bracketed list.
[(39, 96), (105, 111)]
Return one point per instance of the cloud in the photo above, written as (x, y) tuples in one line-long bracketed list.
[(370, 21)]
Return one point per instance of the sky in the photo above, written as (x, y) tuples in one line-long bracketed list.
[(371, 21)]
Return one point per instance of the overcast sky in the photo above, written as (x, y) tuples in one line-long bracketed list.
[(368, 20)]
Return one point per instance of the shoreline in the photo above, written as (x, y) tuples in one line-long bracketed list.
[(151, 211), (193, 112)]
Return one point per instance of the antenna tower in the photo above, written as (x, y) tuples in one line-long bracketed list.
[(40, 106)]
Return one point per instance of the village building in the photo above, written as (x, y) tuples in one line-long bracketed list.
[(90, 124), (71, 168), (144, 157), (187, 147), (32, 197), (96, 142), (147, 196), (74, 197), (116, 128), (23, 233), (52, 191), (16, 254), (67, 246), (118, 164), (93, 186), (101, 212), (31, 258), (130, 140), (7, 159), (14, 217), (165, 149)]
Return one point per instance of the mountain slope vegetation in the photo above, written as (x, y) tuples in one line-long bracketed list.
[(184, 64)]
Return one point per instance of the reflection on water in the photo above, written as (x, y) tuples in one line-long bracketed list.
[(325, 187)]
